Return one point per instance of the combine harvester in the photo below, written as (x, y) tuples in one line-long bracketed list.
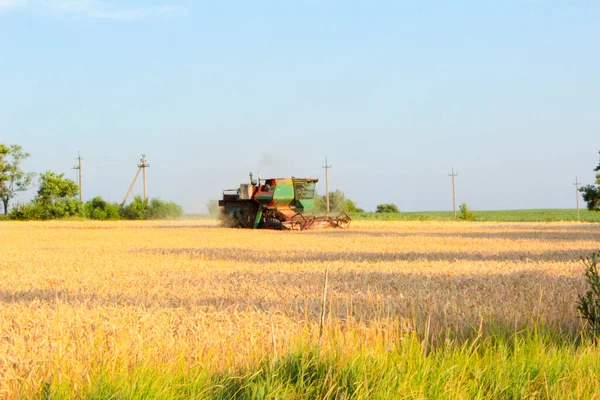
[(278, 203)]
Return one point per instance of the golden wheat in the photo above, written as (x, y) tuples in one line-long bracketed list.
[(76, 297)]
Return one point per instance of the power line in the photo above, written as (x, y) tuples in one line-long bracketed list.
[(326, 184), (453, 192)]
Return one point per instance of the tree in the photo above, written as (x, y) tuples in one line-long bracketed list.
[(319, 205), (337, 203), (56, 197), (387, 208), (351, 207), (54, 187), (591, 193), (12, 178)]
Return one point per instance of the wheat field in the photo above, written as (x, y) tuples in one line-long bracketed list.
[(81, 297)]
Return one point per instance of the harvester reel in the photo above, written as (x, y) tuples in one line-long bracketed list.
[(298, 222), (342, 220)]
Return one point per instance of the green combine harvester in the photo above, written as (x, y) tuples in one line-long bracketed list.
[(276, 203)]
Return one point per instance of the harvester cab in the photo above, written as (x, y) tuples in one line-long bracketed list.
[(276, 203)]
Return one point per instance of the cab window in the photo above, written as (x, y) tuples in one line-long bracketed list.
[(304, 190)]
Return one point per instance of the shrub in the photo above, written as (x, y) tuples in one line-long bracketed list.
[(465, 213), (23, 212), (140, 209), (62, 208), (588, 305), (387, 208), (158, 209), (98, 208), (36, 210), (136, 210)]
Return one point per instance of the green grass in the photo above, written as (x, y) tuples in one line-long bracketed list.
[(538, 215), (528, 364), (535, 215)]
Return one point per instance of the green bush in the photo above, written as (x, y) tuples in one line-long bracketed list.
[(465, 213), (140, 209), (387, 208), (99, 209), (136, 210), (588, 305), (35, 210), (23, 212), (158, 209), (61, 208)]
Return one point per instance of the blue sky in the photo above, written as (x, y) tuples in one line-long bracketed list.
[(394, 93)]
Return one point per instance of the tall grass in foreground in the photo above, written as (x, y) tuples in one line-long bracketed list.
[(536, 363)]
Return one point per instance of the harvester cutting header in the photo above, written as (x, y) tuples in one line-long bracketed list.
[(276, 203)]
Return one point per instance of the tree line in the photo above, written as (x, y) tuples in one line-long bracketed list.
[(339, 203), (57, 196)]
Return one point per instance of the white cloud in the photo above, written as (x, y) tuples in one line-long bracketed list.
[(10, 4), (93, 9)]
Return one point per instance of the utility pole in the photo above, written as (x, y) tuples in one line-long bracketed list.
[(453, 192), (327, 184), (577, 183), (79, 180), (143, 166)]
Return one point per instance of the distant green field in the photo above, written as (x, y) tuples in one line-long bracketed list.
[(536, 215), (539, 215)]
